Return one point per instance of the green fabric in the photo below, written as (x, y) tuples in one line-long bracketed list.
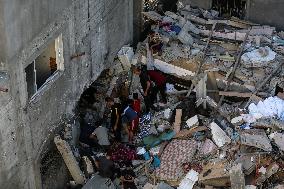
[(154, 140)]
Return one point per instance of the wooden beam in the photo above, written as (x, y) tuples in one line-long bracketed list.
[(241, 95), (188, 133), (177, 120)]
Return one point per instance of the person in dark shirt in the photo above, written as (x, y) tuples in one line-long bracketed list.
[(127, 178), (128, 119), (160, 85), (115, 117), (105, 167), (147, 79), (86, 138), (146, 86)]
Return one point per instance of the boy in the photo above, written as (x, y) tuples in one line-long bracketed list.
[(115, 117), (128, 119), (101, 133)]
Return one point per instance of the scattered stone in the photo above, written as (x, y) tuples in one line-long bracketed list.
[(219, 136)]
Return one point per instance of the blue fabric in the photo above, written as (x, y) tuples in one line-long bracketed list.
[(156, 162), (146, 156), (176, 29)]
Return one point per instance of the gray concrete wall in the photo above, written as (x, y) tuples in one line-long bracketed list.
[(2, 36), (97, 27), (269, 12), (206, 4)]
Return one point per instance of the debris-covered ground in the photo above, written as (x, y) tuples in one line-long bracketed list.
[(222, 125)]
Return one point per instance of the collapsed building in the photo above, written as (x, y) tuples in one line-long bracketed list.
[(224, 78)]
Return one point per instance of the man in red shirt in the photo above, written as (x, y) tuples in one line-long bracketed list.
[(152, 82), (159, 81)]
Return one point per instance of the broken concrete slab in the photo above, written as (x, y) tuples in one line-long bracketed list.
[(248, 163), (190, 179), (237, 177), (250, 187), (256, 138), (270, 170), (266, 123), (172, 69), (185, 37), (88, 166), (215, 174), (152, 15), (278, 138), (218, 135), (69, 159), (193, 121)]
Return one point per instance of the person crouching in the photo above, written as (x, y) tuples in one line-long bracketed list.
[(128, 121)]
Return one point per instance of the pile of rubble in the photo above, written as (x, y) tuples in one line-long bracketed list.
[(224, 121), (234, 71)]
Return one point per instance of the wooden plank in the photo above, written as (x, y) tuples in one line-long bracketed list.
[(215, 174), (177, 120), (241, 95), (188, 133)]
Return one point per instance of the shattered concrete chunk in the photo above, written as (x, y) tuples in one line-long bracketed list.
[(185, 37), (248, 163), (237, 119), (69, 159), (250, 187), (256, 138), (215, 174), (190, 179), (271, 170), (192, 121), (172, 69), (278, 138), (219, 136)]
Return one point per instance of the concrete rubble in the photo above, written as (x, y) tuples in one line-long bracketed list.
[(223, 125)]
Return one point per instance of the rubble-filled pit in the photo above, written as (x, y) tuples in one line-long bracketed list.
[(222, 125)]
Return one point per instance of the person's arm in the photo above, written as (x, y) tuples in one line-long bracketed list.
[(117, 119), (147, 88)]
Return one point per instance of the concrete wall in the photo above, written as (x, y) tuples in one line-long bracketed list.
[(268, 12), (97, 27), (206, 4)]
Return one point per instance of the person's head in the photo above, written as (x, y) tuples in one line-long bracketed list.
[(129, 102), (136, 70), (109, 101), (135, 96), (99, 123)]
